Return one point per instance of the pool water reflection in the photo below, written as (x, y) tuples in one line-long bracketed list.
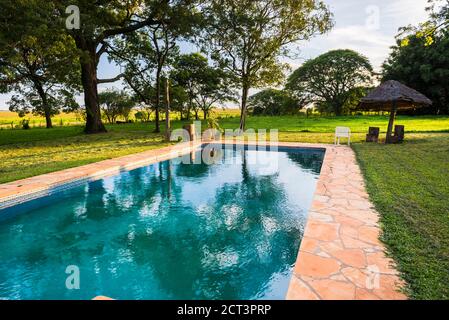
[(229, 230)]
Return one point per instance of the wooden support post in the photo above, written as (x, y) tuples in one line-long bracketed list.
[(167, 110), (391, 122)]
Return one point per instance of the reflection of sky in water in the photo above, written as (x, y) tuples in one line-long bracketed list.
[(260, 163), (229, 230)]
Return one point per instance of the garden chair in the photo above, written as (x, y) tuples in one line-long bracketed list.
[(373, 134), (399, 134), (342, 132)]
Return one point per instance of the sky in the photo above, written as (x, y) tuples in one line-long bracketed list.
[(366, 26)]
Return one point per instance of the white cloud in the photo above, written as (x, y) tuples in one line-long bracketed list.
[(370, 43), (354, 28), (410, 11)]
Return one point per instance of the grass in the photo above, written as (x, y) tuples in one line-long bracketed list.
[(10, 120), (229, 119), (26, 153), (358, 124), (408, 184), (7, 118)]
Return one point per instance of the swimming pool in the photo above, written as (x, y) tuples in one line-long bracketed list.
[(230, 229)]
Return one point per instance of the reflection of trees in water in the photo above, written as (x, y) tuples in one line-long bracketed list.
[(192, 170), (308, 159), (231, 251), (138, 225)]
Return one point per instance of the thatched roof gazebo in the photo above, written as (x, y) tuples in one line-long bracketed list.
[(393, 96)]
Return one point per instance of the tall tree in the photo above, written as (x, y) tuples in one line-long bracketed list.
[(153, 49), (216, 86), (164, 47), (42, 70), (100, 23), (187, 73), (437, 23), (133, 54), (330, 79), (115, 103), (205, 85), (420, 58), (424, 68), (247, 37), (272, 102)]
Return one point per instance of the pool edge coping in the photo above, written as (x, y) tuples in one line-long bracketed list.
[(339, 250), (15, 192), (341, 256)]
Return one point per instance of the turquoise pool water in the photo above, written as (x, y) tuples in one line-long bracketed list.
[(227, 230)]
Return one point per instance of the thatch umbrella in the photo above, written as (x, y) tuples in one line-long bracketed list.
[(393, 96)]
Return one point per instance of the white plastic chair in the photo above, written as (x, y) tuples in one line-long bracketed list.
[(342, 132)]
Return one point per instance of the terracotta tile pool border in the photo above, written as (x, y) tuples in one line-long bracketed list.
[(340, 258), (22, 190)]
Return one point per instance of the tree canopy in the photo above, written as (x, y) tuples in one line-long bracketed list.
[(247, 37), (420, 58), (424, 68), (101, 23), (330, 80), (437, 23), (42, 72), (204, 84), (151, 51), (115, 103), (272, 102)]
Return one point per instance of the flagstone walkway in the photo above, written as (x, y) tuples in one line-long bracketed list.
[(341, 257)]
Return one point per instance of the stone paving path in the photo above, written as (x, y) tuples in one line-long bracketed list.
[(341, 257)]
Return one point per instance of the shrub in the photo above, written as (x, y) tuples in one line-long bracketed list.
[(25, 124)]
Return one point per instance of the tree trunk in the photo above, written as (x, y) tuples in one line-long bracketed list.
[(338, 109), (158, 100), (205, 114), (167, 111), (48, 122), (391, 122), (89, 81), (45, 106), (189, 108), (245, 91)]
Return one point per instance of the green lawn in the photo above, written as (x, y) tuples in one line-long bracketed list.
[(26, 153), (408, 183), (358, 124)]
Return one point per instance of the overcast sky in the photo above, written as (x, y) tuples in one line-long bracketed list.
[(366, 26)]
